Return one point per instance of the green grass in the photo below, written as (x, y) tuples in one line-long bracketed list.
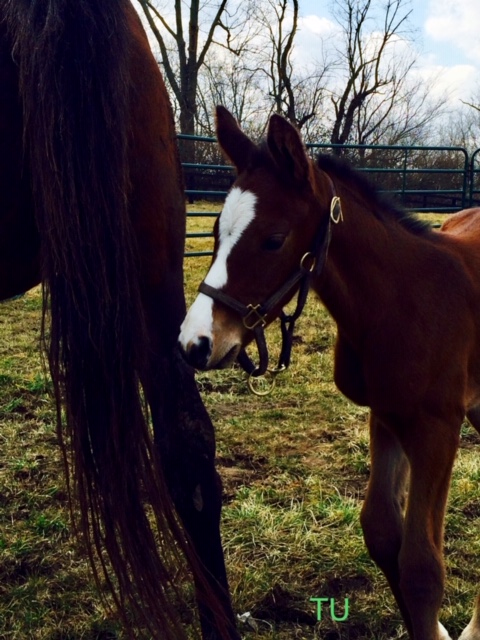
[(294, 467), (46, 591)]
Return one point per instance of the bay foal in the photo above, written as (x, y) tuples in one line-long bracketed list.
[(406, 301)]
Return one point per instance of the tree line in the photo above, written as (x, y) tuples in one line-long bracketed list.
[(361, 85)]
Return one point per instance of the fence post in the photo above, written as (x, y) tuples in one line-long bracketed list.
[(472, 175)]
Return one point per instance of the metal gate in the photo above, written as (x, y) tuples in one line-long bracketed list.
[(420, 178)]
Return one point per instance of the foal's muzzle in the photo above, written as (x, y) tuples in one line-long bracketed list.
[(198, 353)]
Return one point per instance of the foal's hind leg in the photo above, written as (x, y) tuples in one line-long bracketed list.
[(473, 416), (472, 631), (382, 512)]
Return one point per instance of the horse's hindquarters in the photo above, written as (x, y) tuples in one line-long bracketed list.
[(19, 242)]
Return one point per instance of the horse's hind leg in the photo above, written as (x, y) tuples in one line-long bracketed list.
[(382, 512), (185, 437)]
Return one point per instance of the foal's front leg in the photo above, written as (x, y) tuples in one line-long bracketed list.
[(430, 445), (409, 550)]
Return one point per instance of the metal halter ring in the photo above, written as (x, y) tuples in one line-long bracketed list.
[(336, 213), (269, 378), (307, 256)]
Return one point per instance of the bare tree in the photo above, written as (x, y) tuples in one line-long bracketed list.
[(296, 94), (403, 115), (474, 101), (242, 53), (236, 86), (367, 60), (461, 129), (189, 44), (280, 68), (473, 106)]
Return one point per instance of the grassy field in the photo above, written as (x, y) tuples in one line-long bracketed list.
[(294, 465)]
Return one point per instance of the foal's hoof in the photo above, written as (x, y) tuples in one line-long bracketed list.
[(443, 633)]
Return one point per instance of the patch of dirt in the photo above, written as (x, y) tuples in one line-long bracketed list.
[(472, 510), (469, 439), (348, 632), (347, 586), (352, 487), (239, 468), (243, 459), (281, 606), (318, 346)]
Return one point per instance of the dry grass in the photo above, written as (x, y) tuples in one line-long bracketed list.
[(294, 466)]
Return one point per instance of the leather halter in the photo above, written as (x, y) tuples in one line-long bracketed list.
[(254, 317)]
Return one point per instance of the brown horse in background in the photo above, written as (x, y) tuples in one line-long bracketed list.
[(406, 301), (92, 206)]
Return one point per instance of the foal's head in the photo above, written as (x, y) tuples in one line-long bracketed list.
[(268, 222)]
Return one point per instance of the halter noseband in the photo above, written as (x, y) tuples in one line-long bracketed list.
[(254, 317)]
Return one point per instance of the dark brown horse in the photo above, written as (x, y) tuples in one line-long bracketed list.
[(406, 301), (92, 206)]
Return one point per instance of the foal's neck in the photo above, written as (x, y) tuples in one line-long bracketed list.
[(372, 265)]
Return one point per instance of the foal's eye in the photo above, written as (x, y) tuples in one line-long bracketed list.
[(275, 242)]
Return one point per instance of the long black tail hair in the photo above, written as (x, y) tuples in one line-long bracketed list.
[(74, 86)]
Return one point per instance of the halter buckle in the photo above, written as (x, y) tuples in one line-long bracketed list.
[(255, 316)]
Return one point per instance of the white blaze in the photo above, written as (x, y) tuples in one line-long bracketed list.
[(238, 211)]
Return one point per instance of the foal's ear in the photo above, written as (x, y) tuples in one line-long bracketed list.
[(286, 147), (234, 143)]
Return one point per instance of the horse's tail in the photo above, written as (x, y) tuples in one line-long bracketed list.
[(74, 87)]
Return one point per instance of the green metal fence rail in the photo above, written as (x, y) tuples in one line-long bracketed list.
[(427, 188), (474, 193), (420, 178)]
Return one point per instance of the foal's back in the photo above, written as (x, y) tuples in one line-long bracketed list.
[(461, 233), (464, 224)]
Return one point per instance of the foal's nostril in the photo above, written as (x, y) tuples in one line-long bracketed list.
[(199, 352)]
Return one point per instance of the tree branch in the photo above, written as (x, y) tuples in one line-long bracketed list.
[(211, 31), (171, 76)]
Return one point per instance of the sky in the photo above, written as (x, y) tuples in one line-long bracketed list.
[(447, 44)]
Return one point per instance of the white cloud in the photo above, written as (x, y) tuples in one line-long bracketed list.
[(454, 82), (456, 24), (317, 25), (311, 40)]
